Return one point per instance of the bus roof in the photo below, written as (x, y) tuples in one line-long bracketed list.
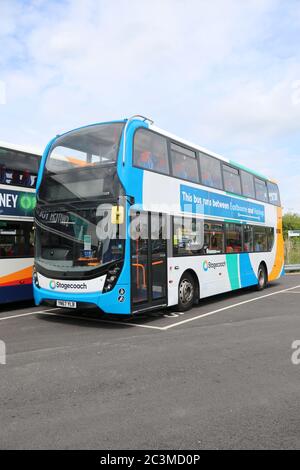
[(21, 148)]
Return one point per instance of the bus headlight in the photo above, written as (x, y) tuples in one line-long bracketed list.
[(35, 277), (111, 278)]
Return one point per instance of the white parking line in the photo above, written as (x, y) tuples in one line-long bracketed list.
[(99, 320), (48, 312), (27, 314), (152, 327), (228, 307), (297, 292)]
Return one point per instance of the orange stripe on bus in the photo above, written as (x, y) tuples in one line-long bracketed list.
[(19, 282), (16, 277), (279, 257)]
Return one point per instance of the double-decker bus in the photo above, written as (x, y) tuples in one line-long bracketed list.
[(131, 218), (18, 174)]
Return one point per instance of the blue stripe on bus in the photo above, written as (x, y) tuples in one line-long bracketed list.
[(16, 293), (247, 275), (131, 177), (43, 161)]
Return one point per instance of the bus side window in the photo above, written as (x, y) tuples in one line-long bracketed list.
[(260, 239), (210, 171), (261, 190), (273, 191), (150, 151), (16, 239), (3, 176), (270, 234), (233, 238), (248, 238), (232, 181), (184, 163), (214, 237)]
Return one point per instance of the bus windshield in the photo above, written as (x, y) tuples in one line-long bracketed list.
[(79, 186), (81, 164), (72, 239)]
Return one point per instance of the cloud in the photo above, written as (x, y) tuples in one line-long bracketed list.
[(219, 73)]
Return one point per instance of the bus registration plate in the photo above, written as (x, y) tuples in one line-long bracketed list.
[(66, 303)]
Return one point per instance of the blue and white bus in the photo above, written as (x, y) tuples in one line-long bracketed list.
[(130, 218)]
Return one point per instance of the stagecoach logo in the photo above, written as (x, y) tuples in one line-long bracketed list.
[(206, 265), (65, 285)]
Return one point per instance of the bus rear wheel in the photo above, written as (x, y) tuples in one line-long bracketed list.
[(262, 277), (186, 292)]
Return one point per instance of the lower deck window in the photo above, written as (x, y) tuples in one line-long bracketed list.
[(187, 238), (192, 236), (233, 238), (270, 235), (248, 238), (16, 239), (213, 238), (260, 239)]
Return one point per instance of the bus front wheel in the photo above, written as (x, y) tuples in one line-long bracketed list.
[(186, 292), (262, 277)]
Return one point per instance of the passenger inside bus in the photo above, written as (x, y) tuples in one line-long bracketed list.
[(161, 164), (207, 179), (3, 176), (180, 171), (16, 178), (146, 160), (233, 246), (26, 178), (260, 245)]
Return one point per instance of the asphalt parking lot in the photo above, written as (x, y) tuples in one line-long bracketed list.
[(219, 376)]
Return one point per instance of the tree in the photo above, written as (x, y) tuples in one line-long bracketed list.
[(290, 221)]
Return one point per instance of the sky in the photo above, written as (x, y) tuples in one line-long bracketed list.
[(224, 74)]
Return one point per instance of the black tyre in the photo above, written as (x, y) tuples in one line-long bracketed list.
[(262, 277), (186, 292)]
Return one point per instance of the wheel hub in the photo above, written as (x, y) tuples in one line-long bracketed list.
[(186, 291)]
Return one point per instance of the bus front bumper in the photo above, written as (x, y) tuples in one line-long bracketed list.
[(115, 302)]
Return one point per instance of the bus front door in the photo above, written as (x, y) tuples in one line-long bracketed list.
[(148, 260)]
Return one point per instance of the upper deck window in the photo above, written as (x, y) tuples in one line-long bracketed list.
[(18, 168), (87, 147), (232, 181), (184, 163), (261, 190), (211, 171), (248, 184), (150, 151), (274, 197), (82, 165)]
